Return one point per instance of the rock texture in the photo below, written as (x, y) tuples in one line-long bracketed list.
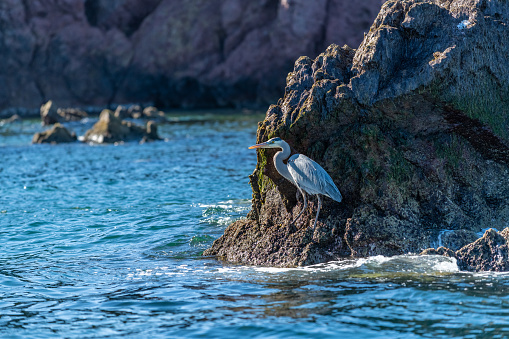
[(412, 127), (50, 114), (56, 135), (110, 129), (196, 53), (488, 253)]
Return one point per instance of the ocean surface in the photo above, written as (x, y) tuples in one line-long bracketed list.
[(106, 241)]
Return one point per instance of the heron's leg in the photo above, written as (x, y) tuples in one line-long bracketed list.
[(317, 210), (303, 208)]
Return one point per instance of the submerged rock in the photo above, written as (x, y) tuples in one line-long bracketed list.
[(56, 135), (110, 129), (411, 126)]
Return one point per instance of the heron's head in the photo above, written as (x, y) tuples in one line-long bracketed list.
[(272, 143)]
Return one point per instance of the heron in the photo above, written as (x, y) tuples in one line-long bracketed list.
[(304, 173)]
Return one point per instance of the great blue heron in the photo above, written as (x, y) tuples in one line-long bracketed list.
[(306, 174)]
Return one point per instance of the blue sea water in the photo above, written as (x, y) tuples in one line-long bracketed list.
[(106, 241)]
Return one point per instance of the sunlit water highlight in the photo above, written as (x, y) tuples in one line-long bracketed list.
[(106, 241)]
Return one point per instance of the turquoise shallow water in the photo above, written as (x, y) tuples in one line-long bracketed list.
[(106, 241)]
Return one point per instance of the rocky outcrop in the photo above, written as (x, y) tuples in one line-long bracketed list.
[(488, 253), (110, 129), (12, 119), (56, 135), (50, 114), (171, 53), (411, 127)]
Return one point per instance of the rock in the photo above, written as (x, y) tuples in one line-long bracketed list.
[(56, 135), (457, 239), (153, 112), (180, 54), (135, 111), (122, 113), (49, 115), (151, 133), (110, 129), (71, 114), (489, 253), (13, 118), (410, 126), (439, 251)]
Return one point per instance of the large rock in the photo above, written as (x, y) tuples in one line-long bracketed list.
[(171, 53), (488, 253), (55, 135), (110, 129), (411, 126)]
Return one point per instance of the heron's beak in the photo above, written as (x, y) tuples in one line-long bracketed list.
[(258, 145)]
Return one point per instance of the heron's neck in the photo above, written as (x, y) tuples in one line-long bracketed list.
[(281, 167)]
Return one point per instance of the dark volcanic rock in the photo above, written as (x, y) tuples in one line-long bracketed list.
[(489, 253), (172, 53), (411, 127), (439, 251), (110, 129), (49, 115), (56, 135), (457, 239)]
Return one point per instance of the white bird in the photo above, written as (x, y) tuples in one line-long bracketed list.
[(304, 173)]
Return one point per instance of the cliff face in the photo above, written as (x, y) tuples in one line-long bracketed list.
[(172, 53), (413, 128)]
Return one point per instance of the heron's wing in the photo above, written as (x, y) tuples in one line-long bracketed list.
[(311, 177)]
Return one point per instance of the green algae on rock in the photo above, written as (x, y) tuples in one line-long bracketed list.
[(395, 124)]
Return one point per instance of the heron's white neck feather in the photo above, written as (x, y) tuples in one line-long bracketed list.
[(281, 167)]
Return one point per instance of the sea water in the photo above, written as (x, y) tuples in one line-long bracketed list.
[(106, 241)]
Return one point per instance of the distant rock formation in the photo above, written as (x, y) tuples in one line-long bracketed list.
[(412, 127), (110, 129), (56, 135), (196, 53), (50, 114), (12, 119)]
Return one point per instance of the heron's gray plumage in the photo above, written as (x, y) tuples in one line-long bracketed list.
[(306, 174), (311, 177)]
